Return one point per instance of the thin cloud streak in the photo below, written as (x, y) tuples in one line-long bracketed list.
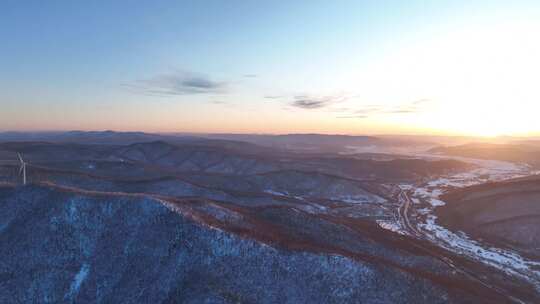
[(311, 102), (178, 83), (370, 110), (273, 96)]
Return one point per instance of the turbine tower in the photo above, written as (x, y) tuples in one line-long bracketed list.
[(23, 168)]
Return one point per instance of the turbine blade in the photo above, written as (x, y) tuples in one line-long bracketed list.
[(21, 170), (20, 158)]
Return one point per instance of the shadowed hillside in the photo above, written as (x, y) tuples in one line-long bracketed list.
[(64, 246), (506, 213)]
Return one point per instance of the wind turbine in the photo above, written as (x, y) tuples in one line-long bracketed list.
[(23, 168)]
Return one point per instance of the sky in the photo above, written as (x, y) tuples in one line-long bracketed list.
[(335, 67)]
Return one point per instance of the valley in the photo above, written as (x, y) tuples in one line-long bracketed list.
[(195, 218)]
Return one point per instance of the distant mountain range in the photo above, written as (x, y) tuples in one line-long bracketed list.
[(88, 137), (305, 143), (521, 153)]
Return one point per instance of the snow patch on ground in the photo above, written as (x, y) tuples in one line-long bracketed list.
[(505, 260), (389, 225), (405, 186), (313, 208), (78, 280), (357, 199), (276, 193)]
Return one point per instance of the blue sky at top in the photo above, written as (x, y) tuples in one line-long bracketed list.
[(99, 64)]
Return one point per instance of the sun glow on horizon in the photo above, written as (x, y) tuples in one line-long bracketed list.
[(481, 80)]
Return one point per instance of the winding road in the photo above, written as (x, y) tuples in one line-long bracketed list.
[(404, 211)]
